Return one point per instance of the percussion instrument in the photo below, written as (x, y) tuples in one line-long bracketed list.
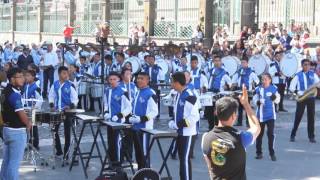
[(96, 88), (116, 126), (167, 101), (82, 88), (289, 65), (309, 93), (135, 64), (231, 64), (207, 99), (259, 64), (163, 65), (74, 111), (56, 117)]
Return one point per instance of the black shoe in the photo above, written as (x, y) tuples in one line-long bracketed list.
[(312, 140), (292, 139), (283, 110), (259, 156), (273, 158)]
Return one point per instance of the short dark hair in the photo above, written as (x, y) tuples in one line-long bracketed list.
[(179, 77), (108, 57), (124, 71), (12, 72), (144, 74), (225, 107), (113, 73), (31, 72), (304, 60), (217, 56), (267, 74), (194, 58), (62, 68), (120, 54), (245, 58)]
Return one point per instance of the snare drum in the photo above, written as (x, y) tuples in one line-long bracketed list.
[(206, 99), (96, 89), (82, 89)]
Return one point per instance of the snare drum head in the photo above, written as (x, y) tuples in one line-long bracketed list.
[(230, 64), (258, 64), (135, 63), (289, 65), (163, 65)]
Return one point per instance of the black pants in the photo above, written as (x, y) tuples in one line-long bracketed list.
[(184, 147), (141, 144), (210, 116), (67, 136), (270, 134), (114, 144), (126, 146), (84, 98), (170, 110), (34, 139), (48, 75), (310, 103), (281, 89), (92, 100), (240, 114)]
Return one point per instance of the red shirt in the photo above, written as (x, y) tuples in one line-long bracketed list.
[(68, 31)]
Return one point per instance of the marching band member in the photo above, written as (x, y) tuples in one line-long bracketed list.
[(96, 72), (199, 80), (117, 107), (278, 78), (83, 68), (143, 53), (265, 98), (219, 80), (155, 73), (185, 122), (15, 125), (63, 96), (143, 114), (299, 84), (120, 57), (249, 78), (131, 88), (32, 91)]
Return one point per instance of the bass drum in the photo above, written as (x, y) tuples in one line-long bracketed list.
[(230, 64), (163, 65), (289, 65), (201, 60), (259, 64), (135, 64)]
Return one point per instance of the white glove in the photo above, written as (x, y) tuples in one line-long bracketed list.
[(262, 101), (114, 118), (300, 93), (172, 125), (201, 114), (107, 116), (134, 119)]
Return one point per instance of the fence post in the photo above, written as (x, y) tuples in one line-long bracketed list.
[(149, 16), (40, 17), (206, 20), (71, 12), (13, 19), (106, 8)]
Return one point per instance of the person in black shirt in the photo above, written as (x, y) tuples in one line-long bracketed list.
[(15, 124), (25, 59), (224, 147)]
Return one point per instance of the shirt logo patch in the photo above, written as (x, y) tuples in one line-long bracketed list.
[(141, 100), (67, 90), (117, 98), (181, 103), (219, 148)]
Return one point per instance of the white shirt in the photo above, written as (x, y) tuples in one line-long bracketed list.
[(50, 58), (295, 84)]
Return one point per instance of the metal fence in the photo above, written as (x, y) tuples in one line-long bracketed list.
[(5, 17), (176, 18), (55, 16), (287, 11), (27, 17)]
